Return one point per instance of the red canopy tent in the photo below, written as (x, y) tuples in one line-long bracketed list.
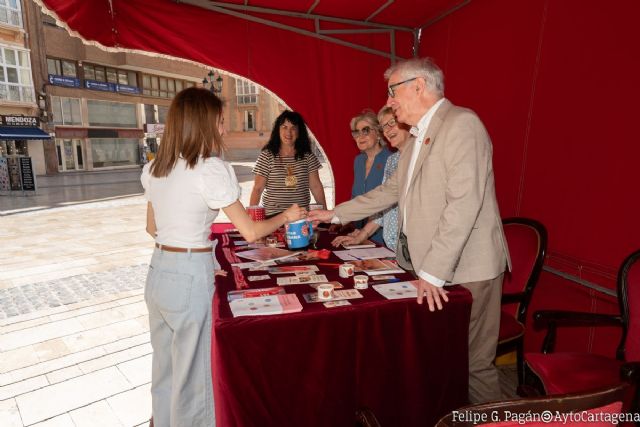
[(554, 81)]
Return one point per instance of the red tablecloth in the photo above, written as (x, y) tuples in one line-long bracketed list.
[(316, 367)]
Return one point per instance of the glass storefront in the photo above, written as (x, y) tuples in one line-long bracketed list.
[(70, 154), (108, 152)]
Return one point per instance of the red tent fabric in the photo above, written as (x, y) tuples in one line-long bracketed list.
[(555, 83), (327, 82)]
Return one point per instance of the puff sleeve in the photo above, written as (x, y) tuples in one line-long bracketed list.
[(218, 185), (145, 177)]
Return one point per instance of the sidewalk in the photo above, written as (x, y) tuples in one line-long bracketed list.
[(74, 336)]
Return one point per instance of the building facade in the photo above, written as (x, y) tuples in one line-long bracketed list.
[(102, 110)]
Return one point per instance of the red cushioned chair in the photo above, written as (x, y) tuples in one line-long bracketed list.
[(612, 401), (527, 241), (568, 372)]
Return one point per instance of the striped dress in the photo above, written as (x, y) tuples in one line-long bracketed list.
[(280, 171)]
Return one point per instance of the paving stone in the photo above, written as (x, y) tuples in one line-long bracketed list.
[(28, 298)]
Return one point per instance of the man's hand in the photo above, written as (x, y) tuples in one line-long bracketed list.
[(433, 294), (319, 215)]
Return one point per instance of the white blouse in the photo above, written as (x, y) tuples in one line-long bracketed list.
[(186, 202)]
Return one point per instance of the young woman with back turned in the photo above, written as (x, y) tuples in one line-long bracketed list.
[(186, 186)]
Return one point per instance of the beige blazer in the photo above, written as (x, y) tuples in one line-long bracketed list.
[(454, 230)]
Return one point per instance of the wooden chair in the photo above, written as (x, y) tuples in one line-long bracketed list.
[(530, 411), (527, 241), (568, 372)]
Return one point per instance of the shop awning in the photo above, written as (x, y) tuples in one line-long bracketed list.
[(11, 132)]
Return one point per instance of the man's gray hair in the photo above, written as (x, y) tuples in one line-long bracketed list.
[(419, 67)]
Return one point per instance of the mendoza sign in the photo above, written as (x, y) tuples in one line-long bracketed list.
[(20, 121)]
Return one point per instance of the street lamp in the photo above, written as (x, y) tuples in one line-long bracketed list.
[(214, 82)]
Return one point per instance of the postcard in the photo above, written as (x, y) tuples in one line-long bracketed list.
[(298, 280), (339, 303)]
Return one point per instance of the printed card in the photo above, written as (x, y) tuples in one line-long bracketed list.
[(298, 280), (256, 278), (339, 303)]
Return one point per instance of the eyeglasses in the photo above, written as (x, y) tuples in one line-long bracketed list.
[(365, 131), (391, 89), (391, 123)]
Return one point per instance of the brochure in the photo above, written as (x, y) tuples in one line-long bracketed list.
[(363, 245), (290, 269), (398, 290), (252, 293), (376, 266), (267, 305), (267, 254), (337, 296), (298, 280)]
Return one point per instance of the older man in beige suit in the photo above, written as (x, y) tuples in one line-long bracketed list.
[(449, 222)]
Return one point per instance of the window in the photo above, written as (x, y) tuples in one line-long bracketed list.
[(61, 67), (10, 13), (111, 114), (249, 120), (66, 111), (247, 92), (114, 152), (163, 87), (15, 75)]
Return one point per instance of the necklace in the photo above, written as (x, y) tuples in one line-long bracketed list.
[(290, 181)]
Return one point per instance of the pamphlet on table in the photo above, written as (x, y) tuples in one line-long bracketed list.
[(370, 253), (291, 269), (252, 293), (267, 305), (299, 280), (362, 245), (337, 295), (267, 254), (374, 267), (397, 290)]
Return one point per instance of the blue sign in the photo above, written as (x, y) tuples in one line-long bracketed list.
[(127, 89), (63, 81), (103, 86)]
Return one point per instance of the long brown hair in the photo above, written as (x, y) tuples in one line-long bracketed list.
[(191, 130)]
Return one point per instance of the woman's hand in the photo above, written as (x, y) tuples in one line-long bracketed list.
[(294, 213), (353, 238)]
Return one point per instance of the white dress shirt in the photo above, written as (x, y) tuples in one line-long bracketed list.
[(187, 201), (420, 132)]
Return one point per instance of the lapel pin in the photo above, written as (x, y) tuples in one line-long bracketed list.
[(427, 141)]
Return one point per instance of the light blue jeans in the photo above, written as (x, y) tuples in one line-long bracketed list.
[(178, 293)]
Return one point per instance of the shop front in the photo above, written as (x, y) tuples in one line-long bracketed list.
[(94, 149), (20, 142)]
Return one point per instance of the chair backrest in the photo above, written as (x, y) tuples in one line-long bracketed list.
[(629, 299), (613, 400), (527, 241)]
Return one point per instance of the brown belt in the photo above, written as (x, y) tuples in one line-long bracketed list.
[(174, 249)]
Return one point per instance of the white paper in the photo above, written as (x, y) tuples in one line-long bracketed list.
[(372, 253), (397, 290), (345, 255), (273, 304)]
